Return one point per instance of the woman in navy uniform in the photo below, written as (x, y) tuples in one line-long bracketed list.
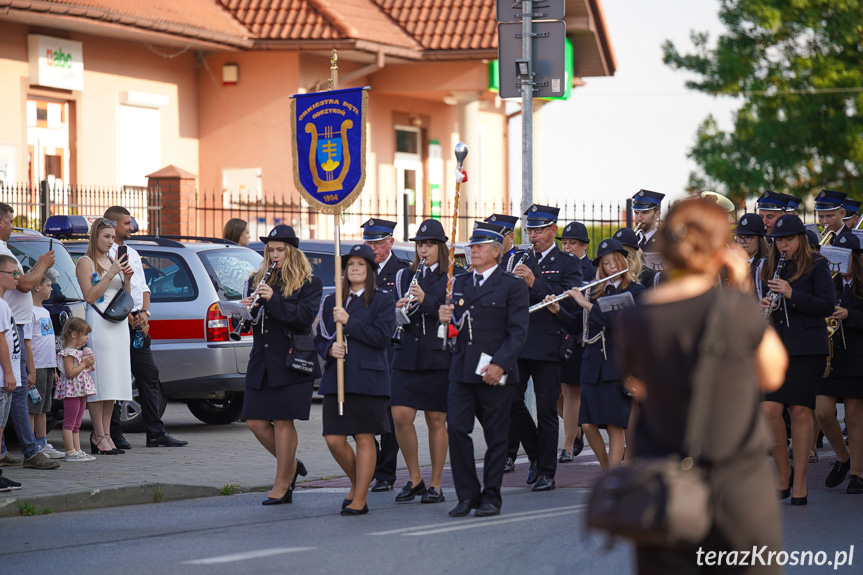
[(491, 307), (420, 364), (276, 395), (368, 320), (846, 371), (604, 401), (807, 299), (749, 235), (574, 240)]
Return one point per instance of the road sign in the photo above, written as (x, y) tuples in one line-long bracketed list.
[(547, 62), (509, 11)]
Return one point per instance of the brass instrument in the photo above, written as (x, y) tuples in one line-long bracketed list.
[(639, 235), (827, 237), (774, 297), (564, 295), (832, 328), (720, 200), (402, 317), (242, 325)]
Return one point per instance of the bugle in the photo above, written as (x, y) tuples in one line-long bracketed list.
[(242, 326), (564, 295)]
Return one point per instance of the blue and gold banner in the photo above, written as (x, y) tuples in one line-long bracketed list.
[(329, 147)]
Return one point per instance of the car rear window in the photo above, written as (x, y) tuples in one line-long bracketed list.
[(28, 251), (168, 277), (229, 268)]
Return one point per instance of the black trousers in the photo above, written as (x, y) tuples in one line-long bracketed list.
[(149, 391), (387, 452), (467, 402), (540, 439)]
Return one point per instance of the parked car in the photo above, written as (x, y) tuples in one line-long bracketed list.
[(198, 362)]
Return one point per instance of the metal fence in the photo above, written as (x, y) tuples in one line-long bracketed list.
[(34, 204)]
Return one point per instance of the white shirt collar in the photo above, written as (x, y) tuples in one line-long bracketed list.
[(384, 263), (487, 273), (541, 255), (649, 234), (358, 294)]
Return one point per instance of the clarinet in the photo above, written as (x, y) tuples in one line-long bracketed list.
[(523, 258), (774, 297), (242, 325), (402, 317)]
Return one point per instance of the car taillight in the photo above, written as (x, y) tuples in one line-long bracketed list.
[(218, 326)]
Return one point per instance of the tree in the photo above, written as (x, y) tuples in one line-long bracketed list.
[(797, 65)]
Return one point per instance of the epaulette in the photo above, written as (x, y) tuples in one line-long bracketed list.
[(570, 254), (511, 275)]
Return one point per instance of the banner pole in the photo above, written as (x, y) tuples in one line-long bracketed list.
[(337, 230)]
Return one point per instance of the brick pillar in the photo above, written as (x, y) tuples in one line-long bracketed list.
[(179, 200)]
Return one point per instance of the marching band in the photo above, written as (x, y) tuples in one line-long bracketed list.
[(518, 316)]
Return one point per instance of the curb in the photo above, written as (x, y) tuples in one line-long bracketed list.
[(107, 497)]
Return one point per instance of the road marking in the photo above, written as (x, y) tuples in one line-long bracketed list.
[(449, 526), (247, 555)]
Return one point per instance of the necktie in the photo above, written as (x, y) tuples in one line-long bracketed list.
[(350, 299), (425, 271), (610, 290), (477, 280)]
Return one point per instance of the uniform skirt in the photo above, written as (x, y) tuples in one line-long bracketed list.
[(424, 390), (362, 414), (801, 381), (570, 371), (292, 401), (605, 403), (842, 387)]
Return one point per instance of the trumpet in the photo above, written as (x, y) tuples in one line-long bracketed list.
[(402, 317), (243, 325), (639, 235), (564, 295), (827, 237), (774, 297)]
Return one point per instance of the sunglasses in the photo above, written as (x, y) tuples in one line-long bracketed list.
[(16, 274), (111, 223)]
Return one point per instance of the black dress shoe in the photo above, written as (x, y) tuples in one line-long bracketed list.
[(166, 440), (487, 510), (565, 456), (433, 495), (409, 492), (532, 473), (786, 493), (800, 500), (121, 443), (855, 485), (544, 483), (509, 466), (463, 508), (381, 485), (349, 512), (578, 444), (838, 474), (288, 497), (301, 470), (346, 502)]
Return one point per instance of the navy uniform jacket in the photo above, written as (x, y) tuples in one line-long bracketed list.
[(421, 349), (595, 367), (281, 317), (387, 275), (812, 299), (498, 311), (848, 350), (558, 272), (648, 276), (367, 334)]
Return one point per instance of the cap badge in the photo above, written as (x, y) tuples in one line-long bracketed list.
[(743, 222), (821, 195), (533, 208), (843, 240), (779, 224), (371, 222), (272, 233), (422, 229), (641, 193), (356, 248), (604, 245), (618, 234), (493, 218)]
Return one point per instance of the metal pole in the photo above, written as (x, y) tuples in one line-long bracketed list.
[(527, 110), (405, 216)]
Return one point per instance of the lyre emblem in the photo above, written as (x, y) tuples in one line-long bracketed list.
[(329, 152)]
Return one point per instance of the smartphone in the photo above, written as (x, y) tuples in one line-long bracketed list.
[(122, 252)]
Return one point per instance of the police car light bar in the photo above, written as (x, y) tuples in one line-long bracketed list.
[(67, 226)]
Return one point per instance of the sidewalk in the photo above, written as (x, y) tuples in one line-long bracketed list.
[(228, 458)]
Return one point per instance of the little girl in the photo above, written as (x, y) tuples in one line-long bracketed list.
[(75, 384)]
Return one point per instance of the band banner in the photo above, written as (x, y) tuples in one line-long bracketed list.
[(329, 147)]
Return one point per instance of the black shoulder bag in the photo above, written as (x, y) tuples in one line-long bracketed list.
[(119, 307), (666, 501)]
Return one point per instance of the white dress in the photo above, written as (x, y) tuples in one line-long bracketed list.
[(110, 344)]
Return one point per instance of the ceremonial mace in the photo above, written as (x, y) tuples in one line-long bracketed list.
[(461, 176)]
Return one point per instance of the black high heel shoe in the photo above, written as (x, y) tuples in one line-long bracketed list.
[(786, 493), (800, 500), (94, 447), (301, 470), (288, 497)]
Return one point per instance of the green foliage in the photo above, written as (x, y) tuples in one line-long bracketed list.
[(28, 510), (228, 489), (796, 65), (157, 493)]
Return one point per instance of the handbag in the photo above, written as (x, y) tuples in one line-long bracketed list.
[(118, 308), (666, 501), (302, 356)]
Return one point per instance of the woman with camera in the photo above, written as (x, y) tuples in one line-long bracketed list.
[(283, 296), (101, 279), (367, 316)]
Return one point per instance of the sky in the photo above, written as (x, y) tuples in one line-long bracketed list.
[(632, 130)]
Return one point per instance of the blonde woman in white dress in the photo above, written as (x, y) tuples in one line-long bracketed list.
[(100, 279)]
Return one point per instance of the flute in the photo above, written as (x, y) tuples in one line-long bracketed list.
[(564, 295)]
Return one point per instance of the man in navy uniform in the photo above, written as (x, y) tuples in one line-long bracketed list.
[(507, 225), (852, 213), (791, 203), (646, 211), (378, 235), (490, 306), (770, 206), (574, 239), (547, 271), (830, 209)]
